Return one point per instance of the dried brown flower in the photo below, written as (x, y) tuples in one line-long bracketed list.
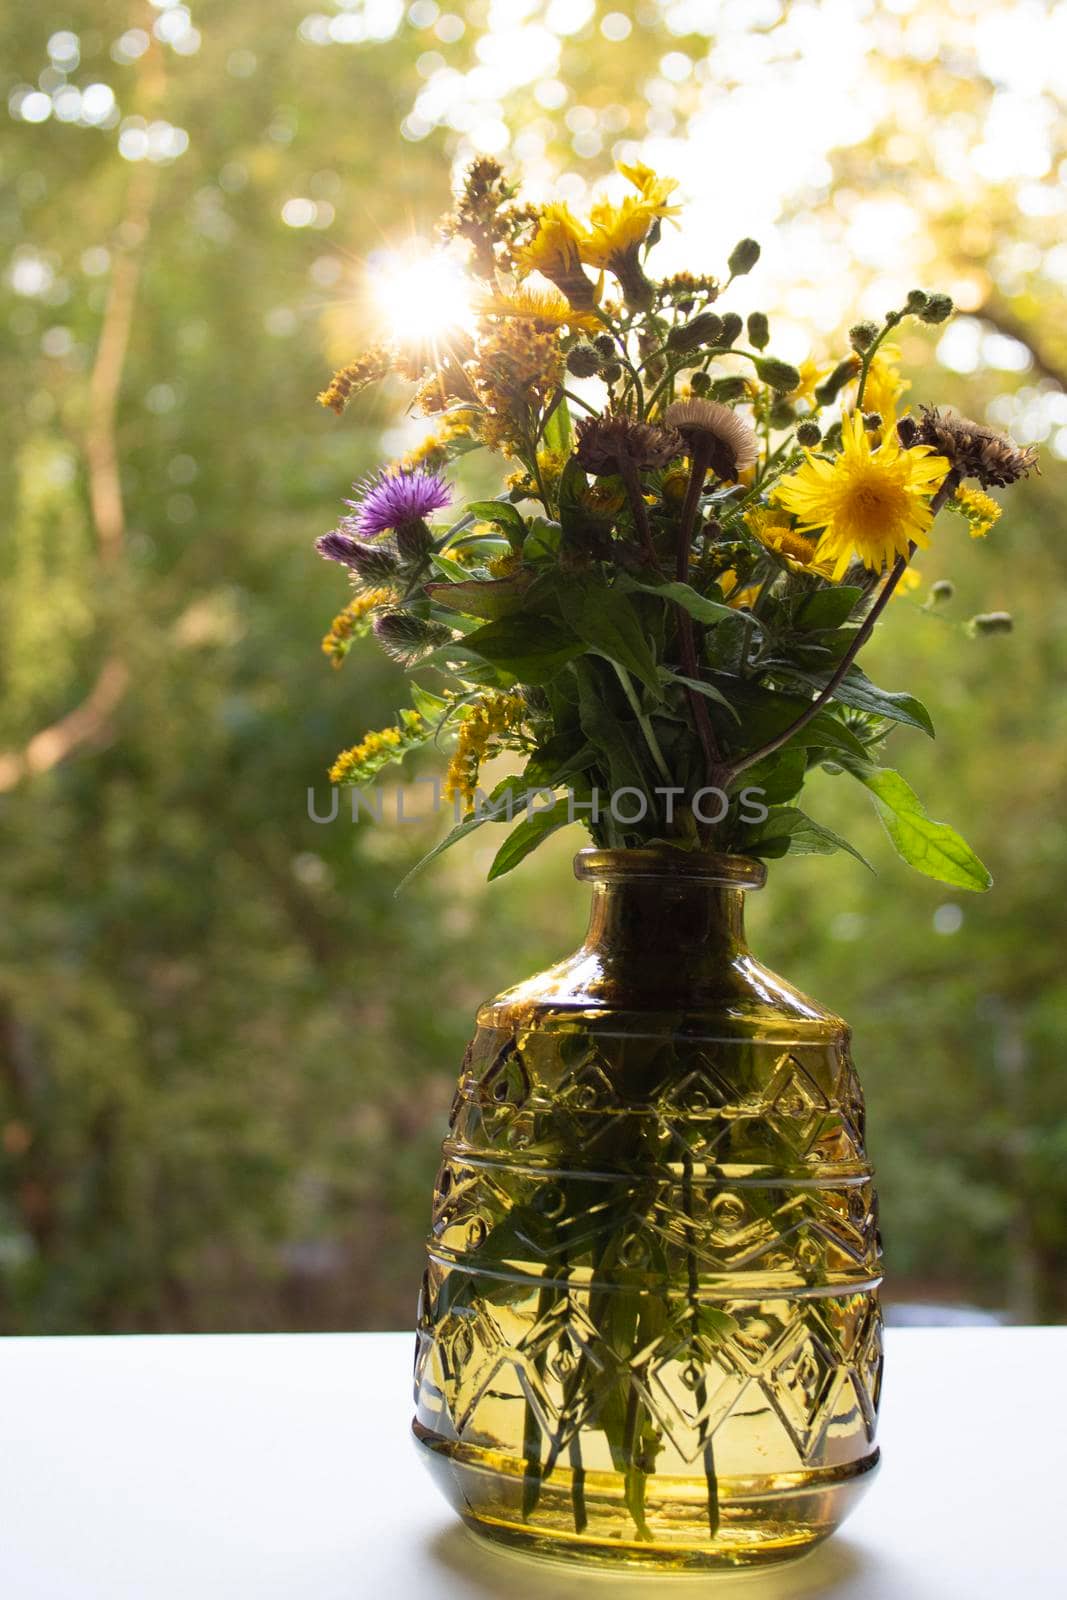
[(609, 445), (974, 450), (730, 441)]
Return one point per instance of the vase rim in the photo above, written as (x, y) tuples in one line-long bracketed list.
[(667, 862)]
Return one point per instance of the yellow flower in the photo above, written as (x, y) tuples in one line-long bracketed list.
[(485, 721), (775, 531), (352, 623), (980, 510), (544, 305), (811, 375), (554, 251), (733, 594), (910, 580), (872, 504), (376, 750), (654, 190), (885, 386)]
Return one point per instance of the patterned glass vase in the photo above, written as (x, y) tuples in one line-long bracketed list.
[(649, 1329)]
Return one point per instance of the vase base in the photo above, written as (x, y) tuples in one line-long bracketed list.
[(759, 1522)]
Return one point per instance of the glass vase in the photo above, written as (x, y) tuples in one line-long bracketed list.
[(649, 1329)]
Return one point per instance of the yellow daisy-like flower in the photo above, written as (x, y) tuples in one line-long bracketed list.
[(775, 532), (980, 510), (885, 386), (910, 580), (554, 251), (811, 375), (871, 504), (653, 189), (542, 304)]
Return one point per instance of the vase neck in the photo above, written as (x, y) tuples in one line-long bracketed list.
[(665, 921)]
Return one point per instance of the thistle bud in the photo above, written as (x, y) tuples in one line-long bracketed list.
[(605, 344), (862, 335), (872, 421), (703, 330), (743, 257), (611, 372), (727, 390), (759, 332), (583, 361), (731, 327), (700, 383), (779, 374), (992, 622), (938, 308), (408, 638), (372, 563), (916, 301), (831, 386), (413, 540), (941, 591), (808, 434)]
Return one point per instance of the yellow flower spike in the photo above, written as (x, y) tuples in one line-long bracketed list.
[(485, 721), (352, 623), (979, 508), (869, 504)]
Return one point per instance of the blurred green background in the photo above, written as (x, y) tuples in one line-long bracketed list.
[(226, 1051)]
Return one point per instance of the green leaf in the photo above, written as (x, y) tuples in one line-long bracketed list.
[(530, 833), (857, 690), (826, 608), (477, 819), (684, 595), (489, 597), (558, 434), (607, 621), (933, 848), (616, 743), (453, 570), (502, 514), (564, 753), (788, 830), (707, 689), (531, 649), (430, 706), (780, 776), (542, 541)]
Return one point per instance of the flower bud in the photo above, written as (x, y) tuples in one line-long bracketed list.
[(408, 638), (832, 437), (413, 539), (992, 622), (605, 344), (808, 434), (872, 421), (731, 327), (703, 330), (779, 374), (941, 591), (726, 390), (782, 414), (938, 308), (700, 382), (743, 257), (862, 335), (611, 372), (831, 386), (916, 300), (582, 360), (759, 332)]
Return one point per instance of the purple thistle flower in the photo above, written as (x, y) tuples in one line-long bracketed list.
[(398, 495)]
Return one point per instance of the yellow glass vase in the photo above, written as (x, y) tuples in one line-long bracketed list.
[(649, 1329)]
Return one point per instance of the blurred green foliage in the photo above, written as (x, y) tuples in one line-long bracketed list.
[(226, 1052)]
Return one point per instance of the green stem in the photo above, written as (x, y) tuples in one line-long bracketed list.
[(643, 722)]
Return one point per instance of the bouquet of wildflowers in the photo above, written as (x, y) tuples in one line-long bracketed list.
[(660, 614)]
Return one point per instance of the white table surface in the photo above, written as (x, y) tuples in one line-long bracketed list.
[(257, 1468)]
